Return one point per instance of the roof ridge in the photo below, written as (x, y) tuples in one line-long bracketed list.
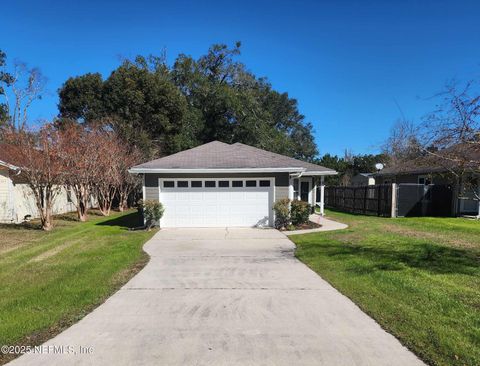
[(279, 155), (221, 155)]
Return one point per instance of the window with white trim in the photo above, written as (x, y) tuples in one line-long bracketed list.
[(218, 183), (182, 184), (223, 183)]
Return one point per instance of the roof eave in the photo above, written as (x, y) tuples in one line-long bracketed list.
[(140, 170), (319, 173), (9, 166)]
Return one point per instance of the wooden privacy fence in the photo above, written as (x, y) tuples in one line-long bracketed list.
[(367, 200)]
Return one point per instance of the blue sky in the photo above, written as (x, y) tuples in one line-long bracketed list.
[(350, 64)]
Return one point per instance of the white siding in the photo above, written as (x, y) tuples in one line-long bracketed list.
[(17, 201), (6, 200), (25, 202)]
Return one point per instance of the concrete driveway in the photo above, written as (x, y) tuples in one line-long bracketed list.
[(225, 297)]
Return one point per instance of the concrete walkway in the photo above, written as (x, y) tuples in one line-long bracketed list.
[(327, 225), (225, 297)]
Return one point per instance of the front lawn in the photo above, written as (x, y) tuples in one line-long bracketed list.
[(49, 280), (418, 277)]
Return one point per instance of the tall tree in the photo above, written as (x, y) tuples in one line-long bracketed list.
[(81, 98), (195, 101), (454, 130), (6, 80), (234, 105), (145, 101), (19, 89), (37, 155), (80, 158)]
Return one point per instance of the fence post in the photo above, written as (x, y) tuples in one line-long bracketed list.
[(379, 201), (394, 200), (365, 199)]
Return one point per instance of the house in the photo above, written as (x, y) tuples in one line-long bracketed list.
[(17, 202), (363, 179), (219, 184), (456, 168)]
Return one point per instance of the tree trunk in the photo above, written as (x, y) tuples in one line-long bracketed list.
[(104, 205), (46, 216), (82, 195), (47, 224), (83, 208), (81, 214), (123, 204)]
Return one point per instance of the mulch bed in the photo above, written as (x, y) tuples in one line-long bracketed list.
[(306, 226)]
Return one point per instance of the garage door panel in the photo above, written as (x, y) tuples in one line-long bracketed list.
[(213, 207), (196, 196), (237, 196)]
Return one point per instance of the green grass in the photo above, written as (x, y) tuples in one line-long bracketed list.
[(49, 280), (417, 277)]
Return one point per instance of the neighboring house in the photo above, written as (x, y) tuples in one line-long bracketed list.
[(363, 179), (17, 202), (219, 184), (438, 170)]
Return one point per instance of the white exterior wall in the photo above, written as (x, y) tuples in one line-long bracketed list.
[(6, 199), (18, 201), (25, 203)]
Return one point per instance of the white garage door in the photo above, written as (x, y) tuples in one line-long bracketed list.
[(217, 202)]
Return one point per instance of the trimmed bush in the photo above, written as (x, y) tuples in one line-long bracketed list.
[(299, 212), (152, 213), (282, 213)]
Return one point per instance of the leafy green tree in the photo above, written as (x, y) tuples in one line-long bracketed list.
[(139, 102), (81, 98), (146, 102), (235, 106), (195, 101), (349, 165)]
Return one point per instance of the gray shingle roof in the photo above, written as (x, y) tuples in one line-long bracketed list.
[(219, 155), (455, 158)]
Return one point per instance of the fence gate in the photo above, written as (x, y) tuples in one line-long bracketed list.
[(424, 200)]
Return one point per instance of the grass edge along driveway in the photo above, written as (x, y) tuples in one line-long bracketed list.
[(419, 278), (50, 280)]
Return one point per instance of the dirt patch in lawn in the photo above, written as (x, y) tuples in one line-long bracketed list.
[(457, 242), (50, 253), (13, 237)]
